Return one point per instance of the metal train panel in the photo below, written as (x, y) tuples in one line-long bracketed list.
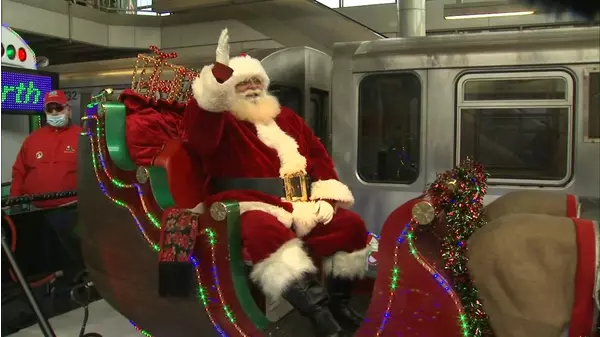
[(404, 109)]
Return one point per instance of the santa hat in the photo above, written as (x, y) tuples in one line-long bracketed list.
[(245, 67)]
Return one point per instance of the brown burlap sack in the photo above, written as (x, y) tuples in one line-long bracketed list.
[(531, 202), (524, 267)]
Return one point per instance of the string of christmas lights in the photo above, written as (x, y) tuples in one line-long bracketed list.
[(212, 241), (202, 293), (120, 184), (114, 181), (204, 298), (95, 164), (440, 280), (393, 282)]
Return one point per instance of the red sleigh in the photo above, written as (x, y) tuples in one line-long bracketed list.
[(130, 196)]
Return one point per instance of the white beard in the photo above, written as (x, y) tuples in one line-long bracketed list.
[(255, 106)]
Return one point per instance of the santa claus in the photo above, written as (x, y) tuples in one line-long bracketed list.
[(291, 200)]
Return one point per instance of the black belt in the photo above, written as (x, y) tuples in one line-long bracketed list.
[(293, 188)]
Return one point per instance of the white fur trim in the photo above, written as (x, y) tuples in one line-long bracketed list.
[(332, 190), (245, 67), (347, 265), (304, 216), (291, 161), (281, 214), (211, 95), (198, 209), (277, 272)]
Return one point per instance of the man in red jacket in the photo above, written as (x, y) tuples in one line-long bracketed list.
[(47, 161)]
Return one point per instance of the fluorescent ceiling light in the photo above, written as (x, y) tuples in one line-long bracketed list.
[(489, 15), (487, 9)]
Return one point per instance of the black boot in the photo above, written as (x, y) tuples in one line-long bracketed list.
[(340, 290), (310, 299)]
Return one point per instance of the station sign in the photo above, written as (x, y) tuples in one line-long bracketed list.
[(23, 90)]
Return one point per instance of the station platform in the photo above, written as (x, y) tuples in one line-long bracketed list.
[(103, 320)]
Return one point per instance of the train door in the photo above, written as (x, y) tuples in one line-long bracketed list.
[(288, 96), (390, 129), (320, 121)]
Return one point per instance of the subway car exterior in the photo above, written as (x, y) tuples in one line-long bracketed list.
[(526, 104)]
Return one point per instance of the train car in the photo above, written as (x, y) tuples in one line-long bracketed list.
[(524, 104)]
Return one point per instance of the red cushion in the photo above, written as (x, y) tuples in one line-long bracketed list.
[(184, 173)]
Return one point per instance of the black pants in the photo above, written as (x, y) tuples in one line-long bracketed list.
[(63, 223)]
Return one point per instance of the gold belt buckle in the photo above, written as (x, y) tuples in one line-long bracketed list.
[(289, 188)]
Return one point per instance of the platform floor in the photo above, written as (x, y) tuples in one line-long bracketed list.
[(103, 319), (106, 321)]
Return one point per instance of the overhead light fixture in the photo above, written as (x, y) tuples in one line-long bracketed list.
[(488, 9)]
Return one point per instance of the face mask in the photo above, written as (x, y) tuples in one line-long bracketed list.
[(57, 121)]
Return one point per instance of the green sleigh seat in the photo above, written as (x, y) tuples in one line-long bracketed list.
[(176, 181), (175, 176)]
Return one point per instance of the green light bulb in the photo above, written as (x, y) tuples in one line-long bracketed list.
[(10, 52)]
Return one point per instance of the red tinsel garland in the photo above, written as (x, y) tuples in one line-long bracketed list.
[(459, 195)]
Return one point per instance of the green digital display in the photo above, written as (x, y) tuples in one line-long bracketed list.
[(25, 91)]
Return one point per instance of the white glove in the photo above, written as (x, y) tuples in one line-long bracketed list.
[(223, 48), (323, 212)]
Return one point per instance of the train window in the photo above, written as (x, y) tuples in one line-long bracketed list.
[(389, 128), (517, 143), (517, 140), (288, 96), (592, 111), (515, 89)]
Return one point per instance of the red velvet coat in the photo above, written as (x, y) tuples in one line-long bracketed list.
[(231, 148)]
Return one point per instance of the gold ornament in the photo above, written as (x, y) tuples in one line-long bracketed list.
[(452, 185), (423, 212)]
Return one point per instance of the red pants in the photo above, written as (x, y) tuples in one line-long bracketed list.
[(280, 258), (263, 235)]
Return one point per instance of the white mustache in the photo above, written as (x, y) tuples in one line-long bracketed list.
[(253, 93)]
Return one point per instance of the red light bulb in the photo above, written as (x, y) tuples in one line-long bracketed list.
[(22, 54)]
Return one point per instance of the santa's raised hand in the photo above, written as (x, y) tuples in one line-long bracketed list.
[(222, 52)]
